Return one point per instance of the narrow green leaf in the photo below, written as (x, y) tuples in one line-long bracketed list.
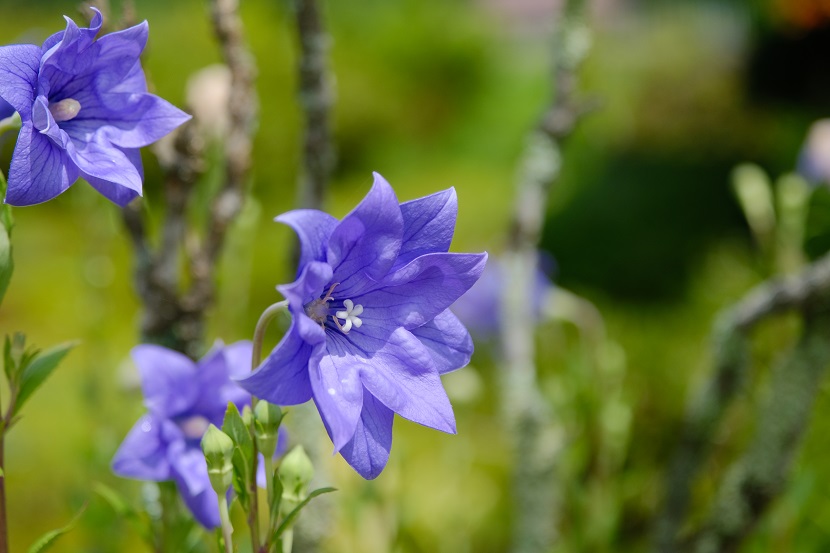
[(287, 521), (234, 427), (48, 539), (241, 469), (275, 505), (38, 370), (8, 360), (137, 519)]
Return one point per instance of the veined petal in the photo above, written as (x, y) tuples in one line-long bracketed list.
[(168, 380), (309, 285), (213, 372), (19, 65), (368, 451), (116, 53), (337, 390), (314, 229), (127, 120), (142, 454), (447, 341), (416, 293), (40, 170), (119, 195), (6, 109), (428, 225), (402, 377), (105, 162), (364, 246), (283, 376)]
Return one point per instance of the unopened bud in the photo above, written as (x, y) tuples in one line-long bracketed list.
[(267, 419), (218, 449), (296, 472)]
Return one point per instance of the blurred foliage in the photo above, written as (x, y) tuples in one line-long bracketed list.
[(435, 94)]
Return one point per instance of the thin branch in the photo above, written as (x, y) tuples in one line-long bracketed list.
[(242, 108), (316, 98), (753, 481), (526, 412), (731, 362)]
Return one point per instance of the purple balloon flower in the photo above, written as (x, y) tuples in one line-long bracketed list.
[(371, 333), (182, 399), (85, 111)]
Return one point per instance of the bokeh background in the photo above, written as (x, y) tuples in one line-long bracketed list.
[(432, 94)]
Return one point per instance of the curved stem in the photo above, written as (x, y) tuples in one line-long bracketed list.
[(256, 357), (261, 326)]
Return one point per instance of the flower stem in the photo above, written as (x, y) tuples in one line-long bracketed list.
[(4, 534), (261, 326), (256, 357), (269, 480), (227, 528)]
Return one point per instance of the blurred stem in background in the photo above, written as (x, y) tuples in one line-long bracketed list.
[(527, 415), (316, 99), (759, 475), (174, 317)]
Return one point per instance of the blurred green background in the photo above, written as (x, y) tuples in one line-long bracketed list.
[(432, 94)]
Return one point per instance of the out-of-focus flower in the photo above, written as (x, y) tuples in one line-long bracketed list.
[(85, 112), (814, 159), (480, 308), (183, 399), (371, 333)]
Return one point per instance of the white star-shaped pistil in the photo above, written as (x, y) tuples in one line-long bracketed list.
[(350, 315)]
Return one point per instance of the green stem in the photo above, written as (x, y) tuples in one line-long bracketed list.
[(227, 528), (269, 479), (287, 540), (4, 533), (259, 336)]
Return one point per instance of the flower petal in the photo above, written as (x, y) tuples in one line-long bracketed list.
[(190, 473), (314, 229), (127, 120), (401, 375), (309, 285), (447, 341), (168, 380), (428, 225), (216, 389), (19, 64), (105, 163), (368, 451), (283, 377), (40, 170), (337, 389), (6, 109), (142, 454), (416, 293), (364, 246)]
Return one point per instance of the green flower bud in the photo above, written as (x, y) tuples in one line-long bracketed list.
[(218, 449), (267, 418), (296, 472), (247, 415)]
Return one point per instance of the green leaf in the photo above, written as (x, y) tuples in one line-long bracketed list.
[(234, 427), (38, 370), (243, 453), (137, 519), (277, 499), (287, 521), (48, 539)]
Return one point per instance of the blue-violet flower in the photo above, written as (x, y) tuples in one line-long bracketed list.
[(370, 332), (182, 398), (85, 112)]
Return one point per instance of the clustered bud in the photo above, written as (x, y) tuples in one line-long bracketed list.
[(218, 449), (267, 419)]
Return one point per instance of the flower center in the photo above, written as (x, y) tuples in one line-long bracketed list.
[(318, 311), (65, 110), (194, 427)]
